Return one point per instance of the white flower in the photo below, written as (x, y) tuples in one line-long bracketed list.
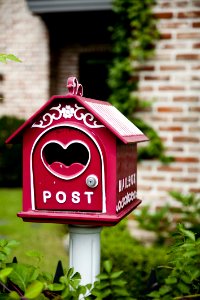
[(67, 112)]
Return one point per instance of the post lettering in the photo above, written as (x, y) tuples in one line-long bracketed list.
[(61, 197), (75, 197), (46, 195), (89, 194)]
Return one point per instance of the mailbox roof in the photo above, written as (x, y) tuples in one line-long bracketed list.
[(106, 113)]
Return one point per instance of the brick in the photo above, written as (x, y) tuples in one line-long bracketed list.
[(188, 56), (145, 68), (196, 3), (184, 179), (182, 3), (164, 188), (185, 99), (194, 78), (165, 36), (170, 128), (172, 68), (196, 46), (165, 4), (189, 14), (169, 109), (187, 159), (193, 170), (171, 88), (156, 77), (151, 177), (173, 25), (188, 35), (194, 109), (196, 67), (159, 118), (145, 168), (185, 139), (163, 15), (175, 149), (170, 168), (145, 89), (185, 119), (144, 187), (196, 24), (194, 129), (194, 190)]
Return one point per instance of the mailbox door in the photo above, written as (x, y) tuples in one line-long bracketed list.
[(65, 161)]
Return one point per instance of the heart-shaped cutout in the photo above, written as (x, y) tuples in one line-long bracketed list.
[(66, 161)]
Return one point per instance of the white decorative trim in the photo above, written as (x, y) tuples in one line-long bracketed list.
[(67, 112)]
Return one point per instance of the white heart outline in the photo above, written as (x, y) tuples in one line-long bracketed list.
[(65, 146)]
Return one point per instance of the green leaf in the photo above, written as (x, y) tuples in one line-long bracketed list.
[(22, 275), (13, 57), (116, 274), (4, 273), (76, 276), (70, 272), (34, 253), (102, 276), (187, 233), (14, 295), (5, 57), (56, 287), (164, 290), (108, 266), (34, 289), (184, 289), (171, 280)]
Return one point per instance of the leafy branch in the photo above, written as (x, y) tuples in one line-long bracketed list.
[(5, 57), (134, 37)]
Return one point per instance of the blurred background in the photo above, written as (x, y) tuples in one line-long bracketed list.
[(58, 39)]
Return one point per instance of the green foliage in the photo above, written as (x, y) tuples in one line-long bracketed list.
[(5, 57), (134, 36), (164, 220), (110, 286), (24, 281), (10, 155), (130, 256), (181, 277)]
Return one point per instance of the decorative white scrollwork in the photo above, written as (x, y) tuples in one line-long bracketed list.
[(67, 112)]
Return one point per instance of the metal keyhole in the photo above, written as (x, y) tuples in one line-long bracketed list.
[(92, 181)]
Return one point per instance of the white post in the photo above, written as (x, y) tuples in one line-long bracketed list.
[(84, 252)]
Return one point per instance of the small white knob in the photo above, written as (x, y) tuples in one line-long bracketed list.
[(92, 181)]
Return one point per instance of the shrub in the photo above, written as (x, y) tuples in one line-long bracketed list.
[(164, 220), (180, 277), (23, 282), (10, 155), (134, 259)]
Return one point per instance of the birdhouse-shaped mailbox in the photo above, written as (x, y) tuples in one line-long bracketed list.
[(79, 161)]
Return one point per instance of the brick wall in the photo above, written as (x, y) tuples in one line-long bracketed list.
[(172, 82), (23, 86)]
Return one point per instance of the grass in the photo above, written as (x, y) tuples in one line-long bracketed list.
[(47, 239)]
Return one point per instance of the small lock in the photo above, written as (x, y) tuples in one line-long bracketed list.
[(92, 181)]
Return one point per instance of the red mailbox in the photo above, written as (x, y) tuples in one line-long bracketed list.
[(79, 161)]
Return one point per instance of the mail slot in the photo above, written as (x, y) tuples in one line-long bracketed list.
[(79, 161)]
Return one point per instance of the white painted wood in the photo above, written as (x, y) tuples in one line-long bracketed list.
[(84, 252)]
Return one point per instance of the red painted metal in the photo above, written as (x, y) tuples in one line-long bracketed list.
[(79, 161)]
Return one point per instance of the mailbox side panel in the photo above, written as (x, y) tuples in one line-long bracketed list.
[(126, 185)]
